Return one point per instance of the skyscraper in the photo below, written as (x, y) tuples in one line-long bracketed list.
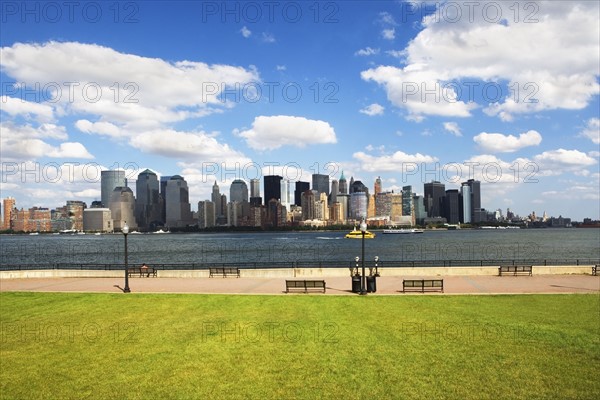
[(320, 183), (216, 198), (300, 188), (343, 184), (335, 190), (285, 193), (434, 195), (407, 200), (179, 212), (122, 207), (465, 191), (109, 180), (254, 187), (358, 205), (147, 202), (451, 206), (272, 186), (377, 186), (475, 200), (238, 191)]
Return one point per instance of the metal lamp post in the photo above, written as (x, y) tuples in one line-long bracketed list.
[(376, 270), (125, 231), (363, 284)]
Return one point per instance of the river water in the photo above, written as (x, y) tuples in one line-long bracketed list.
[(287, 247)]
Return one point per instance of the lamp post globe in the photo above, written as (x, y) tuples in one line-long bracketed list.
[(125, 231), (363, 283)]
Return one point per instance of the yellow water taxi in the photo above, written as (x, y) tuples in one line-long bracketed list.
[(357, 234)]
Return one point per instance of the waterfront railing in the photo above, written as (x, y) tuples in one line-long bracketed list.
[(305, 264)]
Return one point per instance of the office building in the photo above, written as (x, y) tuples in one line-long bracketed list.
[(335, 190), (452, 206), (343, 184), (97, 220), (179, 212), (300, 188), (122, 208), (320, 183), (148, 207), (206, 214), (434, 193), (109, 180), (8, 207), (272, 188), (358, 206), (238, 191)]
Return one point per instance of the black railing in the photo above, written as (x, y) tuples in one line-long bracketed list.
[(307, 264)]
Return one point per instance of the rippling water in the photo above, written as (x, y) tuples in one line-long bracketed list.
[(285, 247)]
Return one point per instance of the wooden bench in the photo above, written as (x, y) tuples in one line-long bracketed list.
[(515, 270), (304, 286), (224, 272), (422, 285), (139, 271), (595, 270)]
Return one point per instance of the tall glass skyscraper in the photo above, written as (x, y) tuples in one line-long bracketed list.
[(147, 202), (238, 191), (109, 180)]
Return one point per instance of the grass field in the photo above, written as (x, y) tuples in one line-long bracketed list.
[(101, 346)]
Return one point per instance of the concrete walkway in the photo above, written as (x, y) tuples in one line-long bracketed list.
[(391, 285)]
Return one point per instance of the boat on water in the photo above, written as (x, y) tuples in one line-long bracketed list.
[(357, 234), (402, 231), (161, 231)]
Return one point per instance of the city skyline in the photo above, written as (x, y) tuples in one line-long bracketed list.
[(374, 89)]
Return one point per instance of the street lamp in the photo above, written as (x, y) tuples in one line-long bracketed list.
[(125, 231), (363, 284), (376, 270)]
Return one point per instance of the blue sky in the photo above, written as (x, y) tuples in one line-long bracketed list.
[(503, 92)]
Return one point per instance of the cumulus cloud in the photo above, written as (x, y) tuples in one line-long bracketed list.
[(499, 143), (151, 90), (453, 128), (269, 133), (14, 106), (373, 109), (27, 142), (389, 34), (592, 130), (188, 146), (390, 163), (410, 88), (553, 62), (556, 162)]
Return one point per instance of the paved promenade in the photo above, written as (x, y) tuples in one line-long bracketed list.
[(391, 285)]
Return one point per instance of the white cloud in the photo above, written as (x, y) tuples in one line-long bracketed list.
[(151, 92), (554, 61), (280, 67), (268, 133), (453, 128), (245, 32), (499, 143), (268, 37), (556, 162), (390, 163), (373, 109), (411, 88), (592, 130), (25, 142), (14, 106), (101, 128), (385, 18), (389, 34), (188, 146), (367, 51)]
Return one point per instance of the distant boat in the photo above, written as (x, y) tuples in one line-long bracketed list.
[(161, 231), (34, 233), (402, 231), (68, 231), (356, 234)]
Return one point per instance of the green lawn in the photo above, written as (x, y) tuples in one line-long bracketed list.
[(99, 346)]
